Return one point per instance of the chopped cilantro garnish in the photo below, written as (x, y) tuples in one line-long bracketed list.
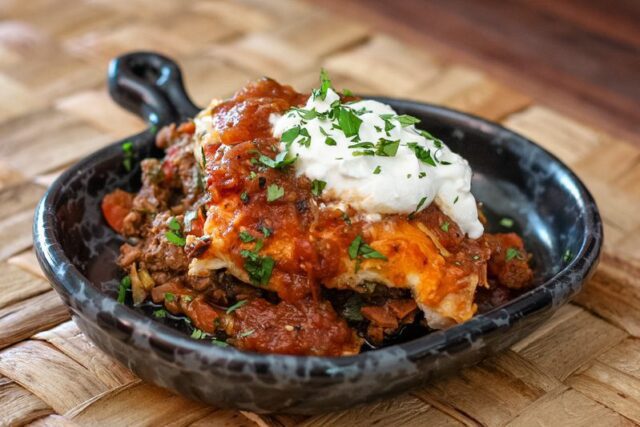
[(330, 141), (265, 231), (160, 314), (173, 224), (513, 253), (387, 148), (358, 250), (420, 203), (317, 186), (219, 343), (281, 160), (349, 122), (406, 120), (236, 306), (567, 256), (274, 192), (252, 175), (354, 246), (377, 170), (437, 142), (125, 284), (424, 155), (127, 150), (246, 237), (325, 83), (169, 297), (204, 158), (362, 145), (422, 175), (198, 334), (456, 200), (175, 238), (258, 267), (506, 222), (244, 196), (347, 92), (445, 227), (290, 135)]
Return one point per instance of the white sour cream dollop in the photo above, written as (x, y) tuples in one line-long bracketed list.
[(403, 183)]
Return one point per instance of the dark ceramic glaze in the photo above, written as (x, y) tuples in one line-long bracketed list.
[(513, 177)]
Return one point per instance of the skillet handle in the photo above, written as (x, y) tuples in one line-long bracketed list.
[(150, 85)]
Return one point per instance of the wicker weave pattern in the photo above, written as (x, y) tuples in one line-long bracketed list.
[(581, 368)]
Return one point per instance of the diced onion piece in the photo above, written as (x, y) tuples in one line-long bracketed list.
[(137, 289)]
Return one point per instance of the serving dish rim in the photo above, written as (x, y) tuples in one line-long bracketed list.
[(161, 99), (51, 255)]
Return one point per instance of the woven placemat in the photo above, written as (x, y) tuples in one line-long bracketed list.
[(581, 368)]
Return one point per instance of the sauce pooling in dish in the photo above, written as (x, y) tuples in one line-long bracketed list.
[(250, 226)]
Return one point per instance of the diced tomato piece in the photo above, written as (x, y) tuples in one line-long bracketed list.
[(115, 206)]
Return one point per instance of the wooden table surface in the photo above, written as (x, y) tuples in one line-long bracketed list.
[(581, 368)]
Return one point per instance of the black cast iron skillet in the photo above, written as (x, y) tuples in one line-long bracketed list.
[(514, 177)]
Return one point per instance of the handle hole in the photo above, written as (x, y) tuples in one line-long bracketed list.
[(146, 71)]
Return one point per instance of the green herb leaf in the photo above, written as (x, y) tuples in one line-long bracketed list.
[(175, 239), (513, 253), (567, 256), (368, 252), (290, 135), (281, 160), (347, 92), (169, 297), (317, 186), (349, 122), (236, 306), (506, 222), (125, 284), (160, 314), (127, 150), (362, 145), (173, 224), (219, 343), (445, 227), (424, 155), (358, 248), (330, 141), (204, 158), (325, 83), (377, 170), (437, 142), (246, 237), (274, 192), (456, 200), (387, 148), (420, 203), (258, 267), (406, 120), (354, 247), (265, 231), (198, 334), (244, 196)]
